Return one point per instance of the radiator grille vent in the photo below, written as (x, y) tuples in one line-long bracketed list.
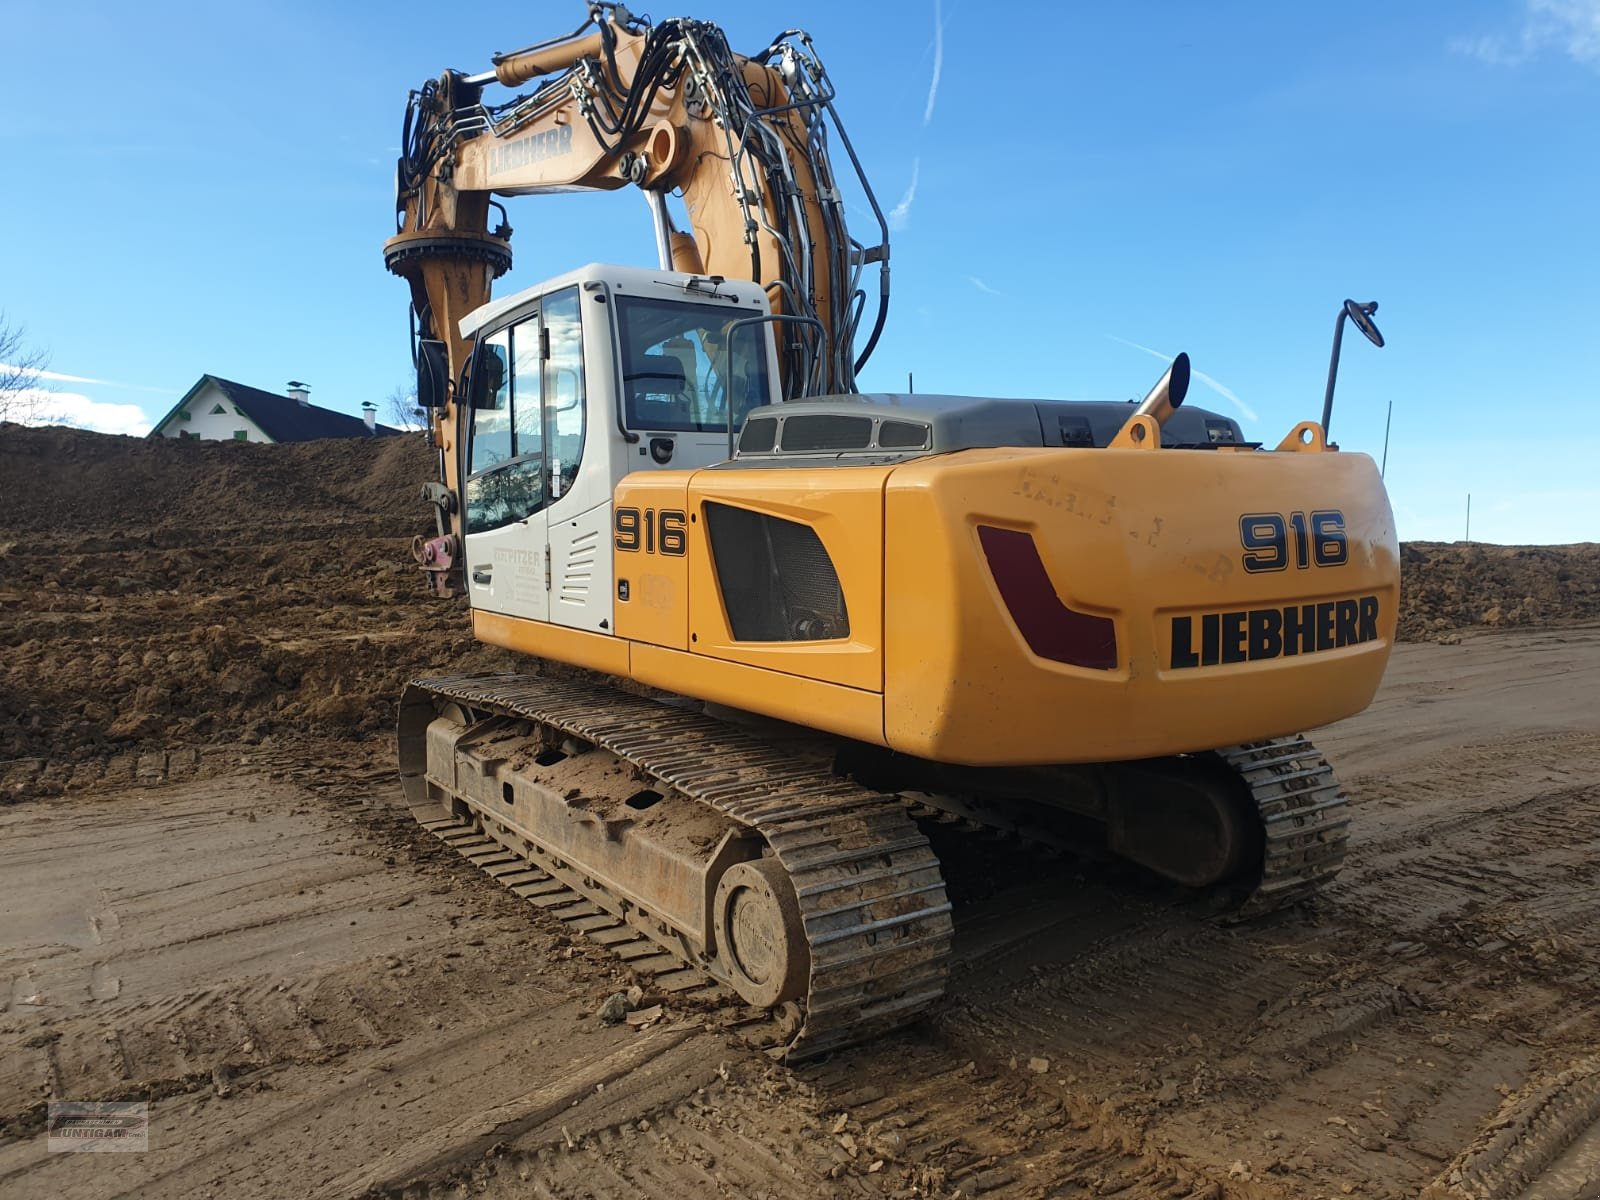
[(903, 435), (759, 436), (778, 583), (826, 431)]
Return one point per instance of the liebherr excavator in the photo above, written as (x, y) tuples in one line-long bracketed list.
[(862, 609)]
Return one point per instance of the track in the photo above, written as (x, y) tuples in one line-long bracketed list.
[(872, 904)]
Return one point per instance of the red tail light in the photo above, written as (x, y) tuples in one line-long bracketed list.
[(1051, 629)]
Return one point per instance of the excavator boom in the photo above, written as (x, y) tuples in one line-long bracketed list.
[(668, 108)]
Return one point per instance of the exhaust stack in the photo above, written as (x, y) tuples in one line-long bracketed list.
[(1165, 398)]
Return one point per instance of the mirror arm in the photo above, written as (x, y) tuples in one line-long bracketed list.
[(1333, 371), (1361, 314), (727, 354)]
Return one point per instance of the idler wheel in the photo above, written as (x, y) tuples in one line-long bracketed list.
[(760, 937)]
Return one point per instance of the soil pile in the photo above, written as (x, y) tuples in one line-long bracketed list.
[(158, 593), (1448, 587)]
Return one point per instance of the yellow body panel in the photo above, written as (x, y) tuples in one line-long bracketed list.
[(1139, 537), (657, 585), (1152, 545), (844, 506), (848, 712), (594, 651)]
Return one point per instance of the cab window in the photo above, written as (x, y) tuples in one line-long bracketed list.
[(679, 373), (563, 389), (491, 416), (505, 455)]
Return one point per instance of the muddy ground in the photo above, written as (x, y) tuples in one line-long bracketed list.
[(210, 904)]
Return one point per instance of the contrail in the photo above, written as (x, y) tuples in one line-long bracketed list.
[(938, 62), (38, 373), (902, 211), (1220, 389), (984, 287)]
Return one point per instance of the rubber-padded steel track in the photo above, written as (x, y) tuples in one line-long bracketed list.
[(872, 899), (1305, 819)]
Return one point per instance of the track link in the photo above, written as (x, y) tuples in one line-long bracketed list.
[(872, 900), (1303, 814), (1305, 820)]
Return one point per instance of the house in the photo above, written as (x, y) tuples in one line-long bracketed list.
[(219, 409)]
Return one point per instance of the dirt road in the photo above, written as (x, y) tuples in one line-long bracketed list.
[(324, 1001)]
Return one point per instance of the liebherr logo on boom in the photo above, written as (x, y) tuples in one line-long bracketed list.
[(552, 143)]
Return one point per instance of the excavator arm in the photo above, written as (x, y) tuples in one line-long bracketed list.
[(668, 108)]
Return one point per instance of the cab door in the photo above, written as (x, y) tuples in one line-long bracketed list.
[(506, 490), (579, 479)]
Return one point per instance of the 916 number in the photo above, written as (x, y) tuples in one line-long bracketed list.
[(650, 530), (1266, 539)]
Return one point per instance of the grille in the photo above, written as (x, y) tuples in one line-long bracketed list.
[(903, 435), (778, 583), (758, 436), (826, 431)]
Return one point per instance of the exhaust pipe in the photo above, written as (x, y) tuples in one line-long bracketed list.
[(1165, 398)]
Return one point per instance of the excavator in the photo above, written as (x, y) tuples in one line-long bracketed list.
[(783, 624)]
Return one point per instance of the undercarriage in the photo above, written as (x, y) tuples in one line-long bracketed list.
[(793, 870)]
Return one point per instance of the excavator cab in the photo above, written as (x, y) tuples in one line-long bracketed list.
[(572, 385)]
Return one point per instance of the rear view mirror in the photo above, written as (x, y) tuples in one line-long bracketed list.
[(433, 375), (1361, 316)]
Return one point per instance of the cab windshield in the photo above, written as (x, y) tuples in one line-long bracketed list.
[(677, 372)]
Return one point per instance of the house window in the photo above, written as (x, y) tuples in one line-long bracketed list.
[(218, 410), (238, 411), (241, 435), (184, 415)]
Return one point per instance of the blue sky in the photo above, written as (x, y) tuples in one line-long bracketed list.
[(206, 188)]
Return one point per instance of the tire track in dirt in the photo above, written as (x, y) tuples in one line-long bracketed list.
[(1295, 1056), (196, 901), (1366, 1039), (1543, 1144), (1513, 871), (1178, 1056)]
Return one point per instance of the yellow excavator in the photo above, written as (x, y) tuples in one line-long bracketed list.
[(825, 615)]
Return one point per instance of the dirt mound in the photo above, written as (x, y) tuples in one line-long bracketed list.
[(158, 594), (1445, 588), (69, 480)]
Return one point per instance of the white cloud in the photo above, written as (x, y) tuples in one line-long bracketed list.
[(938, 62), (1494, 49), (984, 287), (1226, 393), (1571, 27), (1220, 389), (901, 213), (57, 376), (41, 407)]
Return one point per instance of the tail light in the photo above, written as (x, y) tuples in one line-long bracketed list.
[(1051, 629)]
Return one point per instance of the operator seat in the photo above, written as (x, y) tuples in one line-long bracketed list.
[(657, 390)]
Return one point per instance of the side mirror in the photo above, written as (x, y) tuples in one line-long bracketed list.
[(1361, 314), (433, 375), (484, 376)]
